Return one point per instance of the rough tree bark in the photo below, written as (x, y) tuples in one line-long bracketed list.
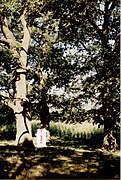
[(21, 103), (109, 140)]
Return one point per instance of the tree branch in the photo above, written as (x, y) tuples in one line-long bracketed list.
[(114, 4), (5, 101), (26, 38), (117, 43), (11, 105), (105, 25), (82, 43), (99, 31), (7, 33), (4, 41), (25, 42)]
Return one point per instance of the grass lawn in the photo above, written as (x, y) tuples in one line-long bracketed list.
[(57, 161)]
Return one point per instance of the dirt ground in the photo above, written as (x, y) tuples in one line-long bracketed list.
[(57, 162)]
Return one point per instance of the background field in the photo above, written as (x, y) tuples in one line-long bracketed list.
[(73, 152)]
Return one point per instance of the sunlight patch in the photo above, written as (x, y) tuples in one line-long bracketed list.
[(34, 171), (63, 158), (14, 162)]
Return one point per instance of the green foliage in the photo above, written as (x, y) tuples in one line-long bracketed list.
[(8, 132), (35, 125), (7, 123), (76, 44), (7, 116), (100, 62)]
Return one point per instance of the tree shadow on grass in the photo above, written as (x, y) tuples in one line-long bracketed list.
[(3, 174), (57, 162)]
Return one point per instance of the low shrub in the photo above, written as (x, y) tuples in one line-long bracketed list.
[(8, 132), (35, 125)]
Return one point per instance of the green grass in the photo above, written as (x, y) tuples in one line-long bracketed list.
[(85, 133)]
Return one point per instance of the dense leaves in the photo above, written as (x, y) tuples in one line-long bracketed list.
[(75, 47)]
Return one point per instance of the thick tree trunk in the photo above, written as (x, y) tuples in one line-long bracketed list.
[(109, 141), (21, 107), (23, 118), (23, 121)]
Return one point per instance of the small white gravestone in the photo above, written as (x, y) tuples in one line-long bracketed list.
[(41, 138)]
